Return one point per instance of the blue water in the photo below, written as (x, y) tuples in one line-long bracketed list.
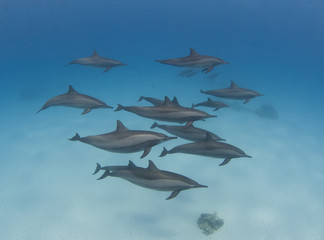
[(276, 48)]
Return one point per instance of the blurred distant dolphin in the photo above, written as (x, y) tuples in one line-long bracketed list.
[(234, 92), (189, 132), (123, 140), (211, 103), (209, 148), (168, 111), (77, 100), (96, 61), (195, 60), (150, 177)]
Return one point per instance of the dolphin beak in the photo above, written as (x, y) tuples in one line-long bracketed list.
[(170, 138)]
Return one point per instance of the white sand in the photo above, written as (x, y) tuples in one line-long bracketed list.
[(47, 190)]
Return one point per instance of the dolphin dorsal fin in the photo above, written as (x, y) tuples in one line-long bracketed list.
[(71, 90), (95, 53), (131, 164), (233, 85), (209, 138), (189, 124), (120, 126), (152, 166), (193, 53), (175, 101), (167, 101), (209, 100)]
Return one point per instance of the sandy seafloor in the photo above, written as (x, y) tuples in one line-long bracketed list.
[(47, 190)]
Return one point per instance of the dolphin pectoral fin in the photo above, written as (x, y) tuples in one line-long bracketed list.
[(246, 101), (146, 151), (154, 125), (107, 69), (209, 69), (226, 160), (173, 195), (87, 110), (106, 174)]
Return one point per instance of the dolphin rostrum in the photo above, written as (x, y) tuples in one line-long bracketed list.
[(168, 111), (233, 92), (77, 100), (189, 132), (150, 177), (123, 140), (211, 103), (209, 148), (195, 60), (96, 61)]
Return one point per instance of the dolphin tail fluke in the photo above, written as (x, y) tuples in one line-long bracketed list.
[(226, 160), (106, 174), (140, 99), (75, 138), (193, 106), (164, 152), (98, 168), (43, 108), (154, 125), (173, 195), (120, 107)]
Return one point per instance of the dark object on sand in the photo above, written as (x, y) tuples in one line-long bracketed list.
[(267, 111), (208, 223)]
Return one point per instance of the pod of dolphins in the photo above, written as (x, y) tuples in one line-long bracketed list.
[(123, 140)]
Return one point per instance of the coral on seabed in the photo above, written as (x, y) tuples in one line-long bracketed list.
[(209, 223)]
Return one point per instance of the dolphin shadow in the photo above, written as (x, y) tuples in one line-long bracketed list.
[(267, 111)]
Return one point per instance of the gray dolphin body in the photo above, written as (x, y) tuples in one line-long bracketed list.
[(123, 140), (77, 100), (212, 104), (155, 101), (168, 111), (189, 132), (195, 60), (150, 177), (209, 148), (234, 92), (96, 61)]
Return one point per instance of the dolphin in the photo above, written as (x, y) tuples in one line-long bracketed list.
[(189, 132), (77, 100), (168, 111), (150, 177), (233, 92), (96, 61), (211, 103), (123, 140), (155, 101), (195, 60), (209, 148)]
